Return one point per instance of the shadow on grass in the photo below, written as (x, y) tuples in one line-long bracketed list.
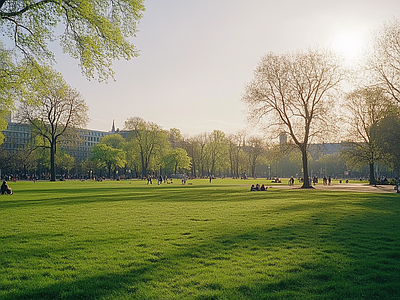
[(331, 253), (47, 197)]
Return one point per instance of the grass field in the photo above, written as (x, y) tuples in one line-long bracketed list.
[(129, 240)]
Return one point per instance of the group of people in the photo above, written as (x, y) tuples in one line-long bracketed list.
[(160, 179), (5, 189), (257, 187)]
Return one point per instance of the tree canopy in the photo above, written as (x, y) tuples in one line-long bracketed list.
[(9, 80), (108, 156), (385, 59), (367, 108), (53, 109), (149, 139), (290, 94), (95, 32)]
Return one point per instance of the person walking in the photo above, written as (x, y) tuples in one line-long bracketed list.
[(160, 179)]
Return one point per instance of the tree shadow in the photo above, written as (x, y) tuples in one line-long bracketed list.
[(351, 254)]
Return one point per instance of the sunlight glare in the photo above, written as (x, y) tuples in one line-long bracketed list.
[(350, 44)]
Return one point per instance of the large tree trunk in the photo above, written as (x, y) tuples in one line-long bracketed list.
[(193, 168), (52, 160), (253, 170), (306, 178), (371, 174), (144, 169)]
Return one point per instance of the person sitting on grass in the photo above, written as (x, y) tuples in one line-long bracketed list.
[(263, 188), (253, 188), (5, 189)]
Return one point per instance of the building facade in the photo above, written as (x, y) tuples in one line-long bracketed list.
[(18, 136)]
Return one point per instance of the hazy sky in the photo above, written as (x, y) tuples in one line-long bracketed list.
[(196, 57)]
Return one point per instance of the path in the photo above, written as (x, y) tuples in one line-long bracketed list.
[(350, 187)]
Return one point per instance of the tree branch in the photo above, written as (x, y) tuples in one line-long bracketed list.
[(23, 10)]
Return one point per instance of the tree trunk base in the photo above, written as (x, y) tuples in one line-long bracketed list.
[(307, 187)]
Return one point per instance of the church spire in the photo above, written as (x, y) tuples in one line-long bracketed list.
[(113, 127)]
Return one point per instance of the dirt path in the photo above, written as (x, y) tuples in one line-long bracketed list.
[(350, 187)]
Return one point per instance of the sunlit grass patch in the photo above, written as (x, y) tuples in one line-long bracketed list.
[(129, 240)]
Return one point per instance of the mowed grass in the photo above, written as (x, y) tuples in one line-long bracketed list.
[(129, 240)]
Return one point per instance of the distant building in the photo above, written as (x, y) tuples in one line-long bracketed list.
[(18, 136), (318, 150)]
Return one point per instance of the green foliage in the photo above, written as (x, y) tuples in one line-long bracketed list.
[(114, 140), (367, 108), (150, 140), (54, 110), (387, 134), (216, 150), (127, 240), (64, 161), (107, 156), (177, 159), (95, 32), (174, 137), (9, 83)]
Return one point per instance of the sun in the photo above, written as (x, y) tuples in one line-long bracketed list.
[(350, 44)]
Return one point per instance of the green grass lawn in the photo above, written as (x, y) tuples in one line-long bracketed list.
[(129, 240)]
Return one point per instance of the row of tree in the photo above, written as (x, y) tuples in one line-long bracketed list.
[(297, 94), (148, 149)]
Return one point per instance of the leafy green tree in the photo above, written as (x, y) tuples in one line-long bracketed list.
[(367, 107), (331, 164), (114, 140), (216, 149), (190, 145), (290, 93), (54, 110), (9, 82), (175, 137), (177, 159), (108, 157), (150, 140), (387, 134), (95, 32), (64, 161), (133, 160), (200, 155), (21, 161)]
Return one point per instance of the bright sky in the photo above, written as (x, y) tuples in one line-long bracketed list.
[(196, 57)]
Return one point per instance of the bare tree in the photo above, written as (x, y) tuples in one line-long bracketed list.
[(290, 93), (191, 147), (385, 59), (235, 150), (255, 149), (201, 142), (53, 109)]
